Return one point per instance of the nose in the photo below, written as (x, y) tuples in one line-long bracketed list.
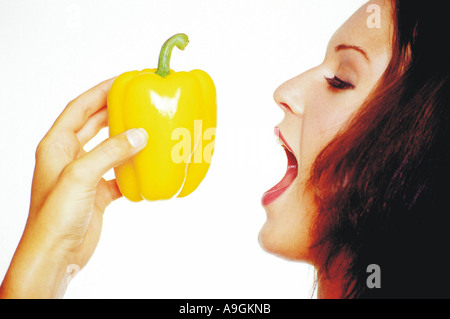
[(289, 97)]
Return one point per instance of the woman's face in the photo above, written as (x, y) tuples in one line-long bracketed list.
[(317, 104)]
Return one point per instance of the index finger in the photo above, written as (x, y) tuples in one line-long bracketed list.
[(80, 109)]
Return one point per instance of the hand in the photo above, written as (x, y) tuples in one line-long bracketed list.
[(68, 196)]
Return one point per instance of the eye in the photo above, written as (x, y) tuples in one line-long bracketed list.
[(337, 83)]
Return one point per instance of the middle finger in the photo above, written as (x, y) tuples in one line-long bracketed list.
[(92, 126)]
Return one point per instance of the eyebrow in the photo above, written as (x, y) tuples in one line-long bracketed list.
[(352, 47)]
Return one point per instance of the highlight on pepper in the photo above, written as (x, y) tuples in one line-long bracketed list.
[(179, 112)]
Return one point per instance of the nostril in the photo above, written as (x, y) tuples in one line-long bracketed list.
[(284, 105)]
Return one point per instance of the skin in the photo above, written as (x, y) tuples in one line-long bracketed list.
[(314, 112), (68, 198)]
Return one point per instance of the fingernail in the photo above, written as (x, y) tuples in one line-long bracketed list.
[(137, 137)]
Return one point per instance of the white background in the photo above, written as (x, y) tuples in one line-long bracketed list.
[(204, 246)]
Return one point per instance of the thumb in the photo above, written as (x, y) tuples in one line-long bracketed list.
[(90, 168)]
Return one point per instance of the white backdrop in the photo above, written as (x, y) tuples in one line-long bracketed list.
[(204, 246)]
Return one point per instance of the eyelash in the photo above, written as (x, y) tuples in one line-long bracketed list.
[(337, 83)]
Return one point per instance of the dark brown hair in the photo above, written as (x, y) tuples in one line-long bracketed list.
[(382, 186)]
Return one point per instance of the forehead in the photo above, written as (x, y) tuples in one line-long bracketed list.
[(370, 28)]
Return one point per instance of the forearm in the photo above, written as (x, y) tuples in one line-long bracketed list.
[(37, 270)]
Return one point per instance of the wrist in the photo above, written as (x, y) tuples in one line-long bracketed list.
[(38, 268)]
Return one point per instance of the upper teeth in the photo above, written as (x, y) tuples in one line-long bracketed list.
[(280, 141)]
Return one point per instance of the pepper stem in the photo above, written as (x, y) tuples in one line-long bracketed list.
[(181, 41)]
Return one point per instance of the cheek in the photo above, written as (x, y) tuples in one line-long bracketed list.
[(322, 121)]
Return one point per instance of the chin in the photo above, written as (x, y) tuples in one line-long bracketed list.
[(285, 233), (272, 243)]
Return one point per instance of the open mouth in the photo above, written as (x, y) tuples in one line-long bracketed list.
[(291, 173)]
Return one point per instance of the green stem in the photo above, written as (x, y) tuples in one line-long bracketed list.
[(181, 41)]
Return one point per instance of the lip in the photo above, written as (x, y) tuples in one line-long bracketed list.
[(291, 174)]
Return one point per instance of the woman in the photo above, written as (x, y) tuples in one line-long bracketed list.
[(369, 131), (366, 138)]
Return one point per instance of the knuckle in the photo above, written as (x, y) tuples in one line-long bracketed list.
[(43, 147), (113, 148), (82, 108), (72, 172), (55, 142)]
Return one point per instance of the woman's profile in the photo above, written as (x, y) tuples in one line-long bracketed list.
[(369, 131)]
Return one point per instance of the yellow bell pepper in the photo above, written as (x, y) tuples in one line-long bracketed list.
[(178, 111)]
